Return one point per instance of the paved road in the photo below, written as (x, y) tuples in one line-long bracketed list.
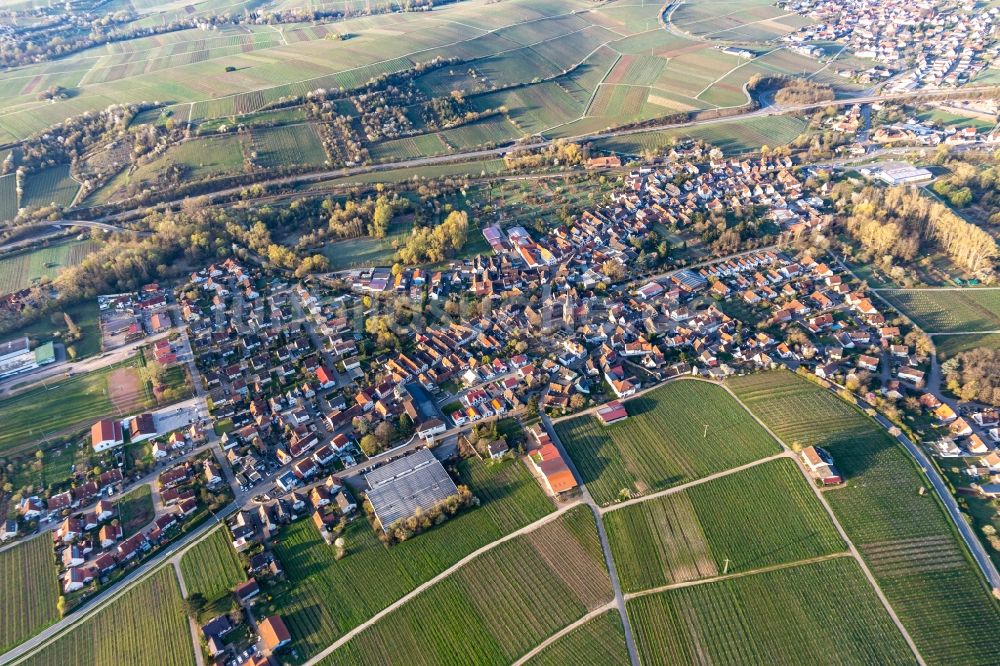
[(951, 506), (18, 653), (24, 382), (982, 558)]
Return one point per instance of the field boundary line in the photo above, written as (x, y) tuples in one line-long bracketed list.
[(739, 66), (406, 56), (593, 95), (195, 643), (527, 529), (739, 574), (843, 534), (696, 482), (602, 535), (565, 630)]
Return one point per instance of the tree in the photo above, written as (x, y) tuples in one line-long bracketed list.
[(61, 605), (71, 327), (385, 433), (532, 407), (194, 604), (370, 445), (382, 217), (613, 269)]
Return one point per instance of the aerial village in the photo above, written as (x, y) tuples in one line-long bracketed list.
[(317, 407), (911, 44)]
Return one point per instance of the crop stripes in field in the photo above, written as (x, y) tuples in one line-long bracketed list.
[(843, 535)]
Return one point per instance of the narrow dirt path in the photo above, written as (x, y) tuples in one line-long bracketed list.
[(738, 574), (436, 579), (199, 658), (565, 630), (633, 652)]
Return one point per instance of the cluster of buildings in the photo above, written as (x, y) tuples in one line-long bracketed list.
[(264, 375), (926, 133), (565, 267), (325, 499), (129, 317), (924, 44), (91, 544)]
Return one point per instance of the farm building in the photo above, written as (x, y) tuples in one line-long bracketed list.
[(416, 481), (820, 466), (548, 462), (613, 412), (273, 633)]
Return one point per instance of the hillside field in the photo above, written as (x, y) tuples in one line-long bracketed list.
[(145, 626), (905, 536), (949, 310), (663, 443), (823, 612), (212, 567), (760, 517), (29, 592), (546, 579), (24, 269), (326, 597), (598, 642)]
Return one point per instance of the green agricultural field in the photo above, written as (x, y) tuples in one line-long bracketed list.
[(198, 158), (297, 145), (492, 131), (135, 510), (212, 568), (29, 592), (8, 197), (911, 547), (663, 443), (730, 136), (367, 250), (545, 579), (68, 404), (760, 517), (22, 270), (823, 612), (470, 169), (327, 597), (949, 310), (408, 148), (598, 642), (950, 345), (144, 626), (948, 118), (48, 186)]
